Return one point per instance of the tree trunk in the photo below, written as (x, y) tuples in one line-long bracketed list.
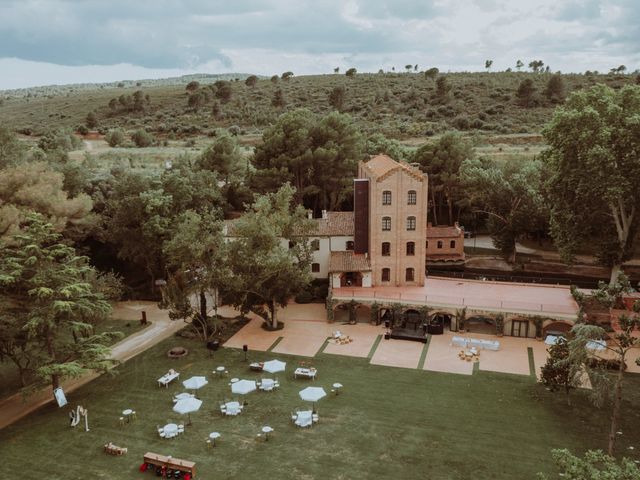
[(450, 204), (274, 314), (617, 403), (203, 305), (55, 379), (435, 214), (616, 270), (515, 251)]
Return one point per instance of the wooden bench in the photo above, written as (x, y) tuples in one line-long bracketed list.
[(112, 449), (170, 462)]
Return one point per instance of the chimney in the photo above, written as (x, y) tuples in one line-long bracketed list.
[(324, 214)]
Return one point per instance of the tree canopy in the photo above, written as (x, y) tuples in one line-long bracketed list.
[(592, 173)]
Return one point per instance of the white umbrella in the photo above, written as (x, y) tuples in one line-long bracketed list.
[(551, 339), (187, 405), (274, 366), (596, 345), (312, 394), (243, 387), (194, 383)]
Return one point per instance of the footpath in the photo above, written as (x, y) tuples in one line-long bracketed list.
[(17, 406)]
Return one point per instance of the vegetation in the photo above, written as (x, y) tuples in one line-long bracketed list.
[(594, 466)]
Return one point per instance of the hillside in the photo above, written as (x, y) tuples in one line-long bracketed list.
[(397, 105)]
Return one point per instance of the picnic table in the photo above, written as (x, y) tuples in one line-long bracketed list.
[(305, 372), (170, 462), (304, 418), (268, 384), (167, 378), (232, 408)]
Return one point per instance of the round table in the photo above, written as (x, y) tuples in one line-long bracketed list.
[(171, 429), (234, 380), (266, 430), (220, 369), (127, 412), (213, 436)]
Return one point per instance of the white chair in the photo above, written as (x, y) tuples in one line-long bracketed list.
[(162, 434), (315, 418)]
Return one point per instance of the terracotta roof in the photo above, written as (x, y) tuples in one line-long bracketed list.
[(444, 231), (382, 165), (445, 257), (336, 224), (349, 262)]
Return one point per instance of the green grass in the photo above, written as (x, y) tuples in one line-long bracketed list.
[(387, 423), (10, 380)]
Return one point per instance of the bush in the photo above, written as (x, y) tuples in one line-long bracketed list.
[(115, 138), (142, 138), (304, 297)]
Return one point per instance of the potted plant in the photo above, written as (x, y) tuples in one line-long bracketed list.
[(461, 316), (538, 321), (500, 324)]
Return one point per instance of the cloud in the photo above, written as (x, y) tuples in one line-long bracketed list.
[(266, 36)]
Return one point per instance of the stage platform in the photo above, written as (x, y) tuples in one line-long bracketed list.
[(417, 335)]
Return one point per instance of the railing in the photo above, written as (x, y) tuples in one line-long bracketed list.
[(580, 282), (443, 300)]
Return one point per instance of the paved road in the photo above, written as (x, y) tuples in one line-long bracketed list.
[(16, 406)]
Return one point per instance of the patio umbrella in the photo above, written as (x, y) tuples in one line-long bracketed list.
[(187, 405), (312, 394), (551, 340), (274, 366), (596, 345), (195, 383), (243, 387)]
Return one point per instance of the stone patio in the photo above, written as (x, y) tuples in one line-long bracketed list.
[(398, 353), (443, 357)]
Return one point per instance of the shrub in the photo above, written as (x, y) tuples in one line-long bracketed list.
[(142, 138), (115, 137), (304, 297)]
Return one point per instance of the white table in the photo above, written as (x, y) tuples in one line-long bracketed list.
[(126, 413), (267, 384), (232, 408), (170, 430), (213, 436), (266, 430), (167, 378), (305, 372), (305, 418), (220, 369)]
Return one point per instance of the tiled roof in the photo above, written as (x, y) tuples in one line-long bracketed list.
[(443, 232), (336, 224), (381, 165), (445, 257), (349, 262)]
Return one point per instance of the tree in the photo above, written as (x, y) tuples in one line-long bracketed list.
[(488, 64), (91, 121), (12, 151), (555, 91), (251, 81), (431, 73), (197, 259), (196, 100), (337, 96), (519, 65), (278, 99), (222, 156), (45, 290), (266, 272), (510, 194), (618, 345), (318, 156), (415, 67), (275, 79), (536, 66), (526, 93), (286, 76), (224, 90), (592, 173), (36, 187), (408, 68), (351, 72), (192, 86), (336, 70), (558, 373), (442, 160), (594, 466), (442, 88)]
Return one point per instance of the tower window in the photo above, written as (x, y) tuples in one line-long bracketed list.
[(315, 267), (386, 274), (411, 248), (410, 275), (386, 223), (386, 249), (452, 244), (411, 197), (411, 223), (439, 243), (386, 197)]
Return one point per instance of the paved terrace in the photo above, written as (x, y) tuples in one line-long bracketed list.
[(554, 301)]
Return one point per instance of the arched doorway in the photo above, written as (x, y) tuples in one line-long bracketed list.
[(351, 279), (363, 313), (411, 319), (556, 327), (480, 324), (442, 319), (341, 313)]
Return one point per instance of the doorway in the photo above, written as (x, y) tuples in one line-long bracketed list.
[(520, 328)]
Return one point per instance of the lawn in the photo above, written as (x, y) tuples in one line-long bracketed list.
[(388, 423)]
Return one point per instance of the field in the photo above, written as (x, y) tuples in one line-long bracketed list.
[(388, 423), (396, 105)]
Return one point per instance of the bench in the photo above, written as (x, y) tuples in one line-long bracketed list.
[(170, 463), (112, 449)]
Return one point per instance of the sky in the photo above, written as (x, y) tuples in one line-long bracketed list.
[(45, 42)]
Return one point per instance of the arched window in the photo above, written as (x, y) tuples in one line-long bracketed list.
[(452, 244), (411, 197), (439, 243), (386, 249), (409, 275), (411, 248), (386, 223), (411, 223), (315, 267), (349, 244), (386, 274), (386, 197), (315, 245)]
